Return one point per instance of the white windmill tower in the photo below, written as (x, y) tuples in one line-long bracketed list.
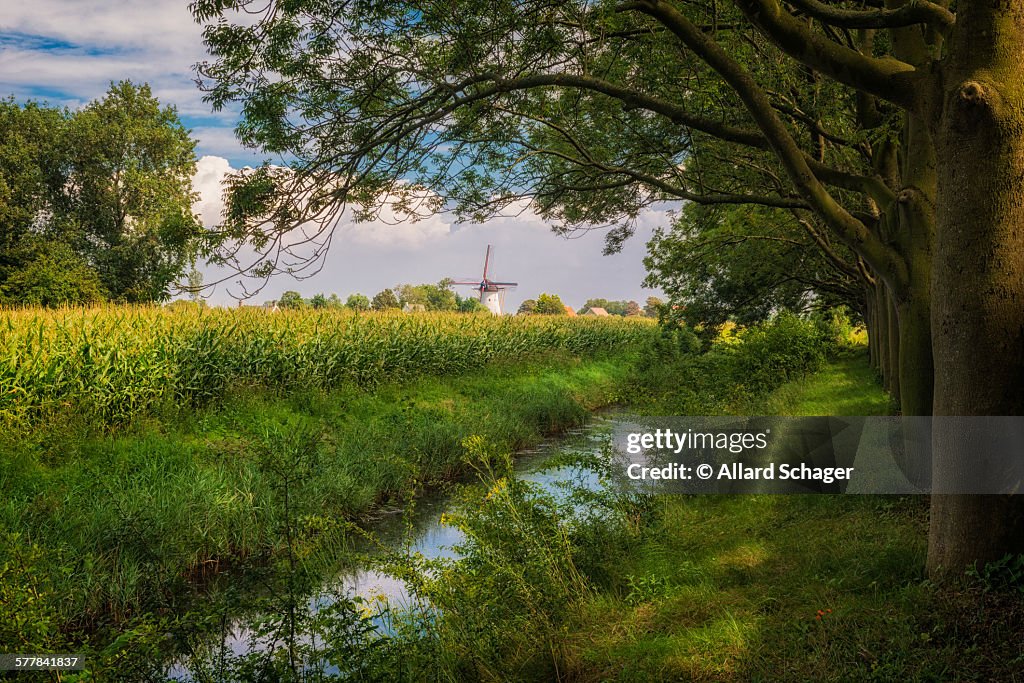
[(492, 294)]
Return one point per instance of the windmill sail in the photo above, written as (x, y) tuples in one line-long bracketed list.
[(492, 293)]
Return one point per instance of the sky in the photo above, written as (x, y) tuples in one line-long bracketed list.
[(67, 52)]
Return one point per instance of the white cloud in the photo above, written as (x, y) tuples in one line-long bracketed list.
[(371, 256), (69, 51)]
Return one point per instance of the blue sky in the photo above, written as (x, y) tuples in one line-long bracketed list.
[(67, 52)]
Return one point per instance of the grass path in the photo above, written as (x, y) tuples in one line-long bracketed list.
[(846, 386), (792, 588)]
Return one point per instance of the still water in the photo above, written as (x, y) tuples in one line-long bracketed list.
[(422, 532)]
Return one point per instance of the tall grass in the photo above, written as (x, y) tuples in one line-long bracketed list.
[(112, 364)]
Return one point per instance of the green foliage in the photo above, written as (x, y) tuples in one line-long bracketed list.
[(499, 610), (743, 263), (439, 297), (56, 276), (131, 192), (734, 366), (653, 309), (837, 329), (646, 588), (28, 602), (106, 189), (622, 308), (195, 284), (528, 306), (385, 300), (469, 304), (358, 302), (32, 165), (549, 304), (770, 354), (673, 344), (1006, 573), (291, 299)]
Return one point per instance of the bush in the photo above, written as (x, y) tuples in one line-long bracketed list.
[(738, 363), (773, 353), (837, 329)]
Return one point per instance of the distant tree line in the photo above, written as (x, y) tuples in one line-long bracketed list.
[(625, 308), (551, 304), (95, 204), (427, 297)]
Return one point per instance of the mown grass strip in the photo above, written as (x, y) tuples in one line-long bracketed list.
[(796, 588)]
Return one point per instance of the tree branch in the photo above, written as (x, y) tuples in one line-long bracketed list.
[(888, 78), (917, 12), (852, 231)]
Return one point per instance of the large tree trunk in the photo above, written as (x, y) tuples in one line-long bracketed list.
[(978, 270), (882, 307), (894, 348), (871, 324), (915, 237)]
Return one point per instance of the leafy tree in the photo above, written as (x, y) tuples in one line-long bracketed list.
[(195, 285), (653, 307), (318, 301), (439, 297), (621, 308), (358, 302), (130, 192), (291, 299), (745, 263), (384, 300), (54, 277), (411, 295), (32, 166), (528, 306), (112, 182), (469, 304), (549, 304), (885, 122)]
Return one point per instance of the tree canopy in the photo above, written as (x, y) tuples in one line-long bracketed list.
[(621, 308), (101, 197), (549, 304), (384, 300), (433, 297), (746, 263)]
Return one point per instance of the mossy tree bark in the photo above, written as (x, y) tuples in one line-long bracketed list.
[(978, 273)]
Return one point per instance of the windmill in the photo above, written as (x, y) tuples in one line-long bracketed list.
[(492, 294)]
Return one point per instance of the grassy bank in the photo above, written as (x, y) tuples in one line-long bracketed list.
[(800, 588), (718, 588), (105, 529)]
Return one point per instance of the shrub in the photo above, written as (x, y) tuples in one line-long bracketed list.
[(775, 352)]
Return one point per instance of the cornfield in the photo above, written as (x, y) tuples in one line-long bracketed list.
[(112, 364)]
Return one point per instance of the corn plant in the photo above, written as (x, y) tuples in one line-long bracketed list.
[(114, 363)]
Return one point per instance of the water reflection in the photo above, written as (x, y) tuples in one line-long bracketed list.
[(338, 612)]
